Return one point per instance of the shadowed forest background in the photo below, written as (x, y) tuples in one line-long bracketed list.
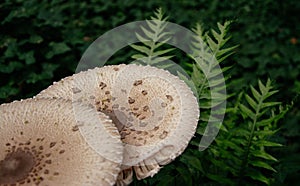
[(43, 41)]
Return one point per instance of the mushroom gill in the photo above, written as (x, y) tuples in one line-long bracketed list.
[(42, 145), (155, 112)]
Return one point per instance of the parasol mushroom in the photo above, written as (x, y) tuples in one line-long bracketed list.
[(161, 117), (42, 145), (155, 112)]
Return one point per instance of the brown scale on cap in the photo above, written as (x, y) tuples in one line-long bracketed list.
[(138, 82), (131, 100), (169, 97), (102, 85), (144, 92), (116, 69)]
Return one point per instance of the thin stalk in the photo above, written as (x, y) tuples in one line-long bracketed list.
[(153, 44), (245, 160)]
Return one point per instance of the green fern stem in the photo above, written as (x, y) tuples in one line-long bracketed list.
[(157, 32), (201, 88), (152, 47), (245, 160)]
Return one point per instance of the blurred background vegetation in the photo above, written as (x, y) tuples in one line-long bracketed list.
[(42, 42)]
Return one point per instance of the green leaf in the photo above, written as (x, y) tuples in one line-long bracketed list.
[(265, 143), (216, 35), (217, 72), (213, 46), (198, 30), (6, 91), (268, 94), (239, 140), (257, 175), (262, 154), (251, 102), (138, 56), (265, 132), (35, 39), (164, 35), (226, 51), (142, 49), (10, 67), (255, 93), (28, 57), (57, 48), (247, 111), (11, 50), (262, 164), (160, 43), (149, 34), (217, 82), (152, 25), (262, 88), (147, 42), (162, 52), (228, 143), (160, 59), (264, 122), (221, 59), (242, 132), (270, 104)]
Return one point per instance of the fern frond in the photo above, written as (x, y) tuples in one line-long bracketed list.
[(220, 38), (240, 152), (154, 36), (260, 120), (207, 75), (204, 57)]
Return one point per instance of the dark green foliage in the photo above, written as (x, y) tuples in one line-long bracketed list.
[(41, 42)]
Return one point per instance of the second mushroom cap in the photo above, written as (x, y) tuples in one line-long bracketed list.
[(42, 144)]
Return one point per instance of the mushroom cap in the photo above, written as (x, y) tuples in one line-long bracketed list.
[(161, 117), (84, 85), (155, 112), (43, 145)]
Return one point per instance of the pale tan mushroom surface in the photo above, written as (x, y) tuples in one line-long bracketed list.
[(156, 112), (41, 144)]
